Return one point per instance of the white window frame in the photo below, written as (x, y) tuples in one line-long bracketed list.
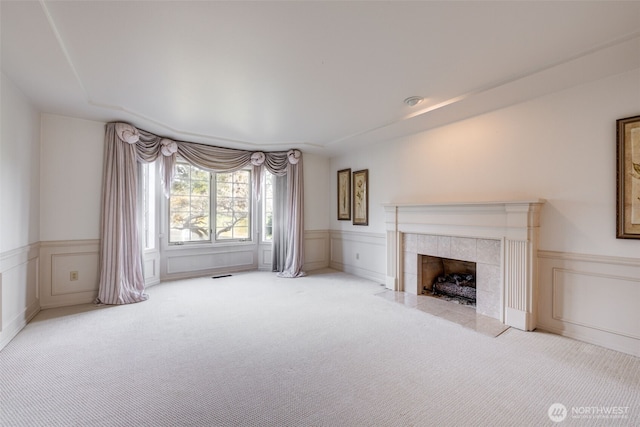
[(214, 209), (168, 218), (255, 211)]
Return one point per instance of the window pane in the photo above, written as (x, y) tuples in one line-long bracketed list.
[(267, 207), (189, 205), (233, 203)]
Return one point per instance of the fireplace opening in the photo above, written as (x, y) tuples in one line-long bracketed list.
[(449, 279)]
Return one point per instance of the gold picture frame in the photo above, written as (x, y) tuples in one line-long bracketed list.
[(361, 197), (628, 178), (344, 195)]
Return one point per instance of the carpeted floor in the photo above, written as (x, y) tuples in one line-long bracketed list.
[(324, 350)]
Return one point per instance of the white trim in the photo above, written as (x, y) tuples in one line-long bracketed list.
[(603, 259)]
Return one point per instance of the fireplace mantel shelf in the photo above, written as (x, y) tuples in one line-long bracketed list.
[(470, 204)]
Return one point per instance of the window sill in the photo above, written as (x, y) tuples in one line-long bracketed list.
[(209, 245)]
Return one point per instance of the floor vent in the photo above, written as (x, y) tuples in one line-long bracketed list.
[(221, 276)]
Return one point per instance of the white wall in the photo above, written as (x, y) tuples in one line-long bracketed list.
[(19, 175), (19, 210), (560, 147), (317, 192), (71, 188), (316, 211), (71, 178)]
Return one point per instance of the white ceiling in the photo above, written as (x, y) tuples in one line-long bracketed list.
[(320, 76)]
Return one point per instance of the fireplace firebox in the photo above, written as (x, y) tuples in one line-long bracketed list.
[(449, 279)]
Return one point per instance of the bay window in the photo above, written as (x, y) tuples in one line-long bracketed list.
[(210, 207)]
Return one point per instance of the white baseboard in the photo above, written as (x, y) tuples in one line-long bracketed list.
[(374, 276), (18, 323)]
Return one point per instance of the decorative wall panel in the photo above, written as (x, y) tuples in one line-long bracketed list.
[(591, 298)]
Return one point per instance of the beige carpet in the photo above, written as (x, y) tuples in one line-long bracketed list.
[(324, 350)]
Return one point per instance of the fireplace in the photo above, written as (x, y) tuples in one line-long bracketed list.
[(484, 254), (449, 279), (501, 238)]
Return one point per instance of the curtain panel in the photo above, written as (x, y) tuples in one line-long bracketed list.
[(121, 275)]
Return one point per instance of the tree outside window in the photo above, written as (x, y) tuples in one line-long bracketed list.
[(233, 205), (192, 194), (189, 213)]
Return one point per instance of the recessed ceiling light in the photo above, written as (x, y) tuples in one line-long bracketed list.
[(413, 100)]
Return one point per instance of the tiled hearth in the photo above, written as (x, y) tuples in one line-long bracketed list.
[(462, 315), (500, 237)]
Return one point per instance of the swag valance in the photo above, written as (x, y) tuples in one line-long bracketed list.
[(121, 275)]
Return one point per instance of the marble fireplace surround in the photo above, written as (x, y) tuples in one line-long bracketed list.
[(500, 237)]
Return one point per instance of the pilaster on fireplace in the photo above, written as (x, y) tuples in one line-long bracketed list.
[(466, 228)]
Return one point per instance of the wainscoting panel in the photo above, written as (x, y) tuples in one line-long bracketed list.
[(151, 271), (70, 272), (264, 256), (151, 267), (360, 254), (63, 264), (591, 298), (316, 249), (179, 263), (581, 299), (19, 291)]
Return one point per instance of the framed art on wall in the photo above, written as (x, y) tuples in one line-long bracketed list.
[(361, 197), (344, 194), (628, 178)]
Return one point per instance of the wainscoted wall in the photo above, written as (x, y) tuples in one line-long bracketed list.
[(59, 285), (179, 262), (151, 267), (59, 259), (316, 251), (361, 254), (591, 298), (19, 293)]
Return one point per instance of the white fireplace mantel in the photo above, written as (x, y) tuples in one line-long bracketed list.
[(514, 223)]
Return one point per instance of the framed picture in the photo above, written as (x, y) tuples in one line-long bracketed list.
[(628, 178), (361, 197), (344, 194)]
